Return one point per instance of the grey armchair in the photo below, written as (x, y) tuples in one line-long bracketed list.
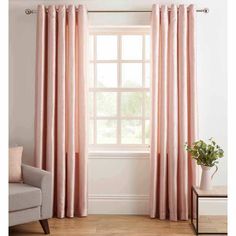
[(31, 200)]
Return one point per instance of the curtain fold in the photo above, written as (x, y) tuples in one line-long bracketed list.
[(172, 134), (174, 111), (61, 111), (61, 105)]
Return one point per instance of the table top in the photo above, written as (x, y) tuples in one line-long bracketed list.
[(216, 191)]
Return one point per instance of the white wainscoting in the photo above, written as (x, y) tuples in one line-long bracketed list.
[(118, 183)]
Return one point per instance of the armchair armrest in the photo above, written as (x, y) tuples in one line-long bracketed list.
[(41, 179)]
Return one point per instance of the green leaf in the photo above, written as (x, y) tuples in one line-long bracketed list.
[(205, 153)]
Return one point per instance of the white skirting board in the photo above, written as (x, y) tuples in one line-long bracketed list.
[(139, 205), (119, 204)]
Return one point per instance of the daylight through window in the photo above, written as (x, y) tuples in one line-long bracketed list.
[(119, 89)]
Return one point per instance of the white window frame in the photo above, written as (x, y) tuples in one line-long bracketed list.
[(119, 31)]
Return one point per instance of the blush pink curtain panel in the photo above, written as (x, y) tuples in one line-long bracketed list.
[(174, 111), (61, 103)]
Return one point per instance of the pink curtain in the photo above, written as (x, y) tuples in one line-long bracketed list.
[(61, 103), (174, 111)]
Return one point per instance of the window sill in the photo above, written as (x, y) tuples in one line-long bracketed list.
[(118, 154)]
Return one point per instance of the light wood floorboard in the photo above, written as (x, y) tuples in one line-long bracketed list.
[(114, 225)]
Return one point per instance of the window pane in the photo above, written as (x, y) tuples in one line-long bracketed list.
[(106, 47), (147, 75), (147, 47), (91, 48), (91, 75), (106, 131), (131, 75), (131, 104), (132, 47), (147, 132), (106, 104), (91, 131), (106, 75), (131, 131), (90, 104), (147, 104)]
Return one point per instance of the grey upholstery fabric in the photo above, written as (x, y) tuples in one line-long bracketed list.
[(24, 216), (31, 200), (43, 180), (23, 196)]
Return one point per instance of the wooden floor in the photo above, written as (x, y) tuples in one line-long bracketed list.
[(113, 225)]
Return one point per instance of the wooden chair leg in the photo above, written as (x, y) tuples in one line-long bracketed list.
[(45, 226)]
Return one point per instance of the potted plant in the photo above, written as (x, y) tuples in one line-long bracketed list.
[(206, 155)]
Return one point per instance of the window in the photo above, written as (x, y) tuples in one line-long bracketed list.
[(119, 88)]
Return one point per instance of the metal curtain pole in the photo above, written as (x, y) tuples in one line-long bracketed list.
[(32, 11)]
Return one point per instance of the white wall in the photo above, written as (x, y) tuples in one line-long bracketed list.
[(118, 184)]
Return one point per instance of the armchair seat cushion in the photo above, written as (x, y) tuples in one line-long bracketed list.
[(23, 196)]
